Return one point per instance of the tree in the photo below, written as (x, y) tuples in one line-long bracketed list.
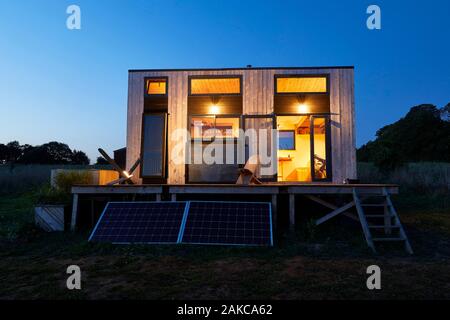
[(422, 135), (101, 160), (79, 157)]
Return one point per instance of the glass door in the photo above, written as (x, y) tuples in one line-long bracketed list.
[(320, 148), (261, 145)]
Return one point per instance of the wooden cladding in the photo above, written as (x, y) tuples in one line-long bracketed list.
[(301, 84), (215, 86), (216, 105), (305, 103)]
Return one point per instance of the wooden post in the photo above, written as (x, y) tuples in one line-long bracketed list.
[(173, 197), (73, 222), (387, 219), (291, 211), (158, 197), (274, 211)]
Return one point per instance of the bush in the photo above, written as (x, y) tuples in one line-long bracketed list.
[(419, 177), (66, 179), (49, 195)]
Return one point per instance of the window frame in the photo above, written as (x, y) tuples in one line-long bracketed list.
[(205, 77), (309, 75), (147, 95), (294, 132)]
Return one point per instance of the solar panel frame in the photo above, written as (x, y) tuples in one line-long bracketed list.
[(142, 202), (269, 205)]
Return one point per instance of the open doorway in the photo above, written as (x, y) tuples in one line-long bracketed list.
[(303, 142)]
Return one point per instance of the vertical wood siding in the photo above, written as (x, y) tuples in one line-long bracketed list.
[(258, 92)]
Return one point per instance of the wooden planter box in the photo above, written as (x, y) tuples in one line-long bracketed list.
[(50, 218)]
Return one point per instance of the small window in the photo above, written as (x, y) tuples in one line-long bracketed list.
[(286, 140), (156, 86), (301, 84), (208, 127), (210, 86)]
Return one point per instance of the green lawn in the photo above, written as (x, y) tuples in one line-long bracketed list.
[(328, 263)]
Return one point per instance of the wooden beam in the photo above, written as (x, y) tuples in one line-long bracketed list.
[(331, 206), (292, 212), (73, 222), (274, 211), (335, 213)]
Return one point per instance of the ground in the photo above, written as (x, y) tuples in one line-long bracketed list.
[(318, 263)]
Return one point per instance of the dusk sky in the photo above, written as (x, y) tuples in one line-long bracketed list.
[(71, 85)]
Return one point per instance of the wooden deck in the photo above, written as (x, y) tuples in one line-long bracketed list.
[(311, 190)]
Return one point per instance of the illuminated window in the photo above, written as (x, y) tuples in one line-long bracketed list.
[(301, 84), (207, 127), (156, 86), (203, 86)]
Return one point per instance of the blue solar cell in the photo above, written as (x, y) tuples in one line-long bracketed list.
[(139, 222), (228, 223)]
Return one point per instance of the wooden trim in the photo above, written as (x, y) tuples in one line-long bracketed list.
[(239, 69)]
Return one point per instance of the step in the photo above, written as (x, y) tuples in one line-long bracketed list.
[(378, 216), (384, 227), (373, 204), (388, 239)]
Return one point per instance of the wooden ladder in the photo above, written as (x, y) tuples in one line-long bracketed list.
[(388, 221)]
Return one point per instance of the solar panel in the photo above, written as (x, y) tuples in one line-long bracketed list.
[(140, 222), (228, 223)]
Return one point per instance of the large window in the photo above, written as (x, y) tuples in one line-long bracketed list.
[(301, 84), (215, 86), (156, 86), (153, 153)]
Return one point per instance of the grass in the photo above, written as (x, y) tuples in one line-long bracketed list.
[(328, 262)]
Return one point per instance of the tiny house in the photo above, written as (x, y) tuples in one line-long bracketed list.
[(198, 133), (176, 118)]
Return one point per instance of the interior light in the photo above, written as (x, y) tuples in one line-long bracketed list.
[(214, 109), (302, 108)]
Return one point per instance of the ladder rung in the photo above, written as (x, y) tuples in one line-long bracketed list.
[(384, 227), (388, 239), (378, 216)]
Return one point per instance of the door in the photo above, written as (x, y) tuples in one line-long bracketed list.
[(261, 144), (320, 148)]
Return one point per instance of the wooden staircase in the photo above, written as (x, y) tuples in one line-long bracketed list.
[(379, 220)]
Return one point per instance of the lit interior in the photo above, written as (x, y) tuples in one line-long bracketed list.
[(294, 148), (207, 127), (156, 86), (216, 86), (302, 85)]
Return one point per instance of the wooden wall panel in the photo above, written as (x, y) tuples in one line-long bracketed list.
[(258, 98)]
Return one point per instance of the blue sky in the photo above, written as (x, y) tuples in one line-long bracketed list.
[(71, 86)]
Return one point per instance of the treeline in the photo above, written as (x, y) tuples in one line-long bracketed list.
[(422, 135), (48, 153)]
